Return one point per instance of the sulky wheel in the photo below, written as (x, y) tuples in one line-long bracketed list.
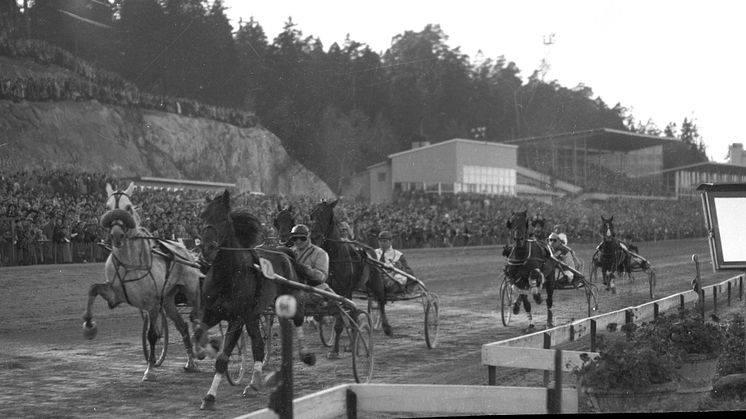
[(326, 330), (506, 301), (591, 295), (432, 320), (362, 349), (237, 360), (161, 346)]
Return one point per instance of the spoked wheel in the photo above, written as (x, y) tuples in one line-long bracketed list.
[(326, 330), (651, 279), (374, 313), (362, 349), (161, 346), (432, 320), (506, 301), (265, 328), (591, 295), (237, 360)]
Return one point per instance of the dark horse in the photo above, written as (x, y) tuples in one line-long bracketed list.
[(614, 256), (283, 223), (235, 289), (530, 267), (348, 269)]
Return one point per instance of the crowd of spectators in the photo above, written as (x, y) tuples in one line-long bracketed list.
[(86, 82), (51, 216)]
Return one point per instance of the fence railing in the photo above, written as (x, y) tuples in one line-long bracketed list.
[(534, 351), (348, 400)]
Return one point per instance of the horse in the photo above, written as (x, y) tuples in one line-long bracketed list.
[(283, 223), (145, 279), (236, 291), (530, 267), (614, 256), (348, 267)]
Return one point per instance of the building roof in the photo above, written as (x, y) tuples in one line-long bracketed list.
[(600, 139), (455, 140), (707, 166), (182, 182)]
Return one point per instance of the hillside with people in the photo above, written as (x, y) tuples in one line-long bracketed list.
[(58, 111)]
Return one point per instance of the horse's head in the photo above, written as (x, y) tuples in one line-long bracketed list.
[(607, 228), (217, 227), (518, 226), (120, 219), (322, 222), (284, 222)]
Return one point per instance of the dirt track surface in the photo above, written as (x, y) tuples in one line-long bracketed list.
[(47, 368)]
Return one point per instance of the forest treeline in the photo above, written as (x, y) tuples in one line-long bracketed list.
[(336, 108)]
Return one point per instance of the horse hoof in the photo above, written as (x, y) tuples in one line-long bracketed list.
[(309, 359), (530, 328), (332, 355), (387, 330), (90, 330), (516, 308), (537, 298), (148, 376), (257, 383), (208, 403), (191, 367)]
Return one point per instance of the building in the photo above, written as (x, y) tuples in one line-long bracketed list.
[(683, 181), (735, 154), (452, 166)]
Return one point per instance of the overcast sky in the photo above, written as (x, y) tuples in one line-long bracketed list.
[(665, 60)]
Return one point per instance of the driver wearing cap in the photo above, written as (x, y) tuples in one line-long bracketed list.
[(393, 258), (311, 259)]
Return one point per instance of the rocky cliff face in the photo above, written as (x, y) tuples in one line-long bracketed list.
[(137, 142)]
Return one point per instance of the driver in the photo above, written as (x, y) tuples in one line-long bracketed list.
[(311, 259), (393, 258), (564, 255)]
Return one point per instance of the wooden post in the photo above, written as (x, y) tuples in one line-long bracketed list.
[(281, 399), (351, 405), (593, 335), (491, 375), (554, 394), (547, 345)]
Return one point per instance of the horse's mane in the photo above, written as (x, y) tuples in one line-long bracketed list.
[(246, 226)]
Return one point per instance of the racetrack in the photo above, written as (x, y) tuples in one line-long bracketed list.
[(47, 368)]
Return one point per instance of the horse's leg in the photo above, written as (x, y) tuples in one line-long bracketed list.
[(173, 313), (257, 351), (378, 292), (221, 363), (107, 293), (527, 307), (338, 327), (153, 335)]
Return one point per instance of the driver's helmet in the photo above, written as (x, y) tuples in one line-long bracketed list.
[(300, 230)]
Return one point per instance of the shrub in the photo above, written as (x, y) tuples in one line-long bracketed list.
[(634, 364), (732, 359)]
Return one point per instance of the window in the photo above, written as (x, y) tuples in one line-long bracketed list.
[(489, 180)]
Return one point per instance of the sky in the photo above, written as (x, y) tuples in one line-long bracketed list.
[(664, 60)]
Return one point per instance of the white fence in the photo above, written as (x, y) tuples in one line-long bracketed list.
[(532, 351)]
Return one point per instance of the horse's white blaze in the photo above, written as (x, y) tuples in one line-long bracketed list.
[(215, 384)]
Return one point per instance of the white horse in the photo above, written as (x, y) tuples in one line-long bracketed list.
[(145, 279)]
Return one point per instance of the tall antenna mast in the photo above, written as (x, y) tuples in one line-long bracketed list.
[(544, 67)]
